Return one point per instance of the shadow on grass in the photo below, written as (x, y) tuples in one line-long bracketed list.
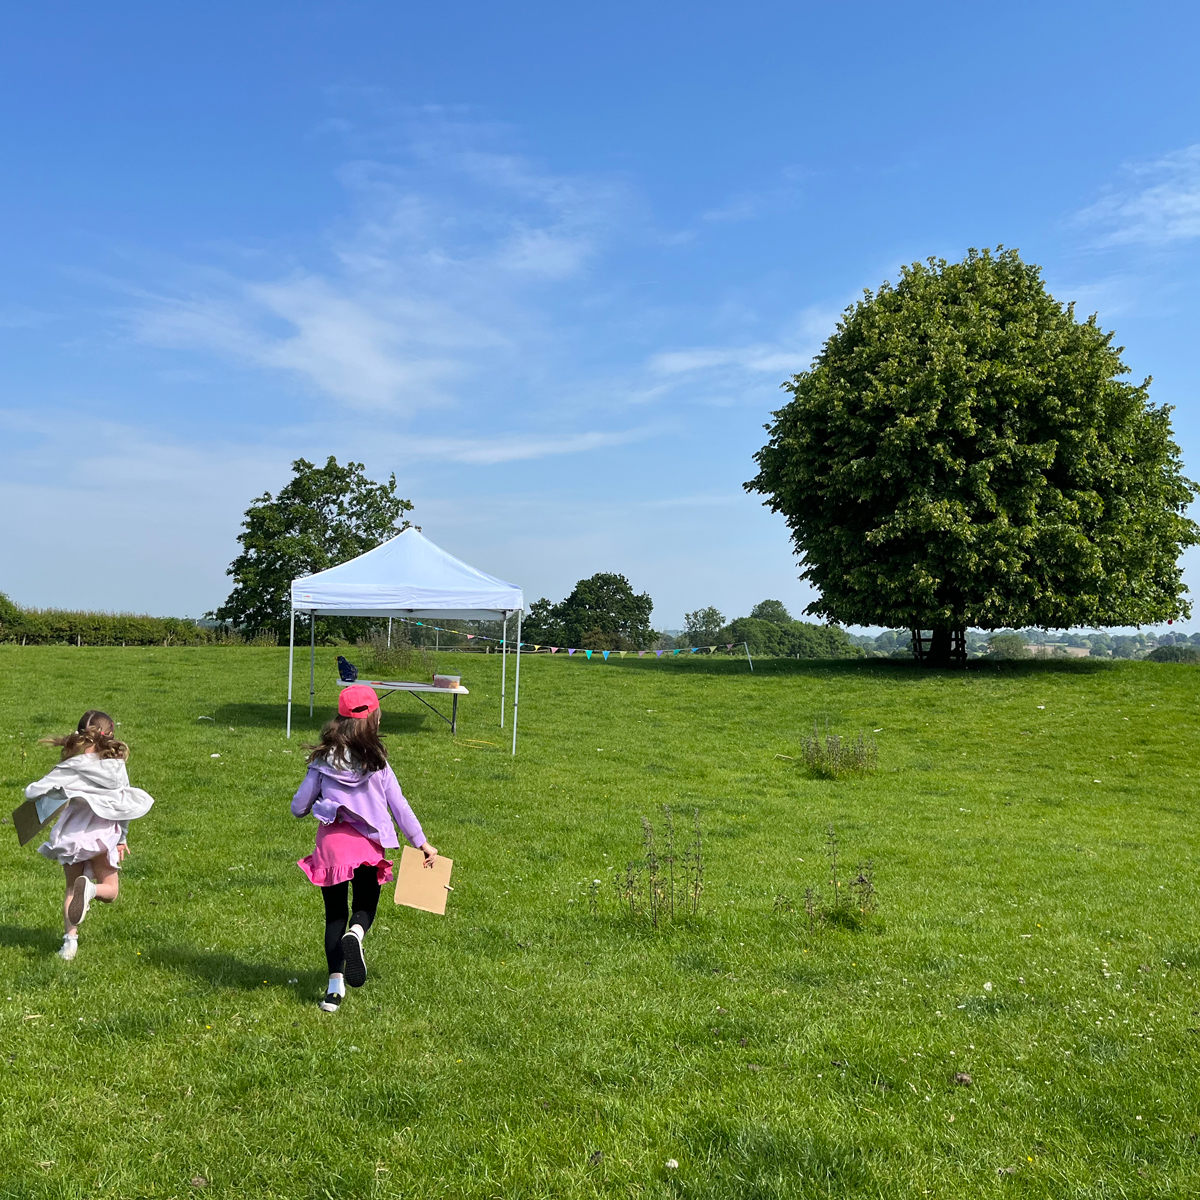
[(706, 664), (21, 937), (226, 970), (274, 716)]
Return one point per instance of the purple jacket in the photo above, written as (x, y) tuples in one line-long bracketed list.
[(361, 800)]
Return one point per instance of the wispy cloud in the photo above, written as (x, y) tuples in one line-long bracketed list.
[(785, 356), (1158, 206), (757, 358), (511, 447), (436, 279)]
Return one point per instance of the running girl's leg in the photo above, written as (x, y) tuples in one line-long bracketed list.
[(366, 900), (366, 896), (72, 871), (337, 913), (107, 877), (101, 883)]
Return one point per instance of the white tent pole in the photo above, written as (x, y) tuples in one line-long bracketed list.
[(312, 659), (517, 684), (503, 665), (291, 658), (389, 633)]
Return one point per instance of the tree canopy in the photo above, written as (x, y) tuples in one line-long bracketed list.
[(795, 639), (703, 627), (322, 517), (964, 452), (774, 611), (602, 613)]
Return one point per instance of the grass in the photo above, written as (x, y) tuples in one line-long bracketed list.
[(1032, 829)]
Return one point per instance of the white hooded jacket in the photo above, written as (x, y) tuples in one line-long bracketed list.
[(102, 783)]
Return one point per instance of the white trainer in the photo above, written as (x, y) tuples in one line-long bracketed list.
[(83, 892), (70, 948)]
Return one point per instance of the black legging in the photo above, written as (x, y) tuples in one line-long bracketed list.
[(337, 911)]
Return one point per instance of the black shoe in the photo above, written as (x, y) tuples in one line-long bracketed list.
[(355, 971), (331, 1002)]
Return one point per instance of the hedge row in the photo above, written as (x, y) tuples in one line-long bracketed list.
[(50, 626)]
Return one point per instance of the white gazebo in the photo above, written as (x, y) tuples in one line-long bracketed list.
[(408, 577)]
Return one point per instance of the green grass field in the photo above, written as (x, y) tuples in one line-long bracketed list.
[(1034, 845)]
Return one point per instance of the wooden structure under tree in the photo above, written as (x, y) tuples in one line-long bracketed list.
[(942, 647)]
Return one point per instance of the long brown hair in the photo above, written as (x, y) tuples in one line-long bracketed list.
[(95, 732), (352, 742)]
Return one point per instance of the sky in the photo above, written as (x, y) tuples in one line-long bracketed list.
[(549, 266)]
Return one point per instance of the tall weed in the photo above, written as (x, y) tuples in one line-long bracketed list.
[(831, 756)]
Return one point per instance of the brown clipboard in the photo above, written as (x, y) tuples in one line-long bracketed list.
[(419, 886), (28, 823)]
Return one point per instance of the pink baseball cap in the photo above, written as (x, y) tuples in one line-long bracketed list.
[(358, 700)]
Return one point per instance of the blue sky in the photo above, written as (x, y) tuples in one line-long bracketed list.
[(548, 266)]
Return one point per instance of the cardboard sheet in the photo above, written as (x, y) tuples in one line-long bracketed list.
[(419, 886), (32, 817)]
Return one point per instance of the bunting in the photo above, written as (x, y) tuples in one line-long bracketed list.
[(538, 647)]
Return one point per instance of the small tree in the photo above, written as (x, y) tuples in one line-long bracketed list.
[(964, 452), (602, 613), (703, 627), (322, 517)]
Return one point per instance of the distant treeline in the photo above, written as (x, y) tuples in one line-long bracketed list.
[(59, 627)]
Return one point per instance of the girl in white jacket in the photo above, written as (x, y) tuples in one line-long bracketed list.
[(91, 784)]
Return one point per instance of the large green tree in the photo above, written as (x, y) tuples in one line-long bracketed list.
[(601, 613), (964, 452), (322, 517)]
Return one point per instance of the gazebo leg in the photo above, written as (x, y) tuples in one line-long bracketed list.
[(291, 661)]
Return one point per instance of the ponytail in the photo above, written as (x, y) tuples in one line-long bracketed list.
[(95, 732)]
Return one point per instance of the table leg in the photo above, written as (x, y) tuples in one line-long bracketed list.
[(454, 714)]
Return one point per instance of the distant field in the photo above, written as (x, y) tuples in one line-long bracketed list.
[(1033, 832)]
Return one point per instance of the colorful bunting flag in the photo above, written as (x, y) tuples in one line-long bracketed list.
[(520, 646), (570, 652)]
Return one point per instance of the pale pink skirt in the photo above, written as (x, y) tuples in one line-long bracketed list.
[(339, 852), (79, 836)]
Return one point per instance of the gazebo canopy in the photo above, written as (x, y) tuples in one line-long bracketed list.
[(407, 576)]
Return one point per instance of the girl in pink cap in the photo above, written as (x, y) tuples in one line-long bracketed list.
[(352, 791)]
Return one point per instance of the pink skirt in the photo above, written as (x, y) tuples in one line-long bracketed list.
[(339, 852)]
